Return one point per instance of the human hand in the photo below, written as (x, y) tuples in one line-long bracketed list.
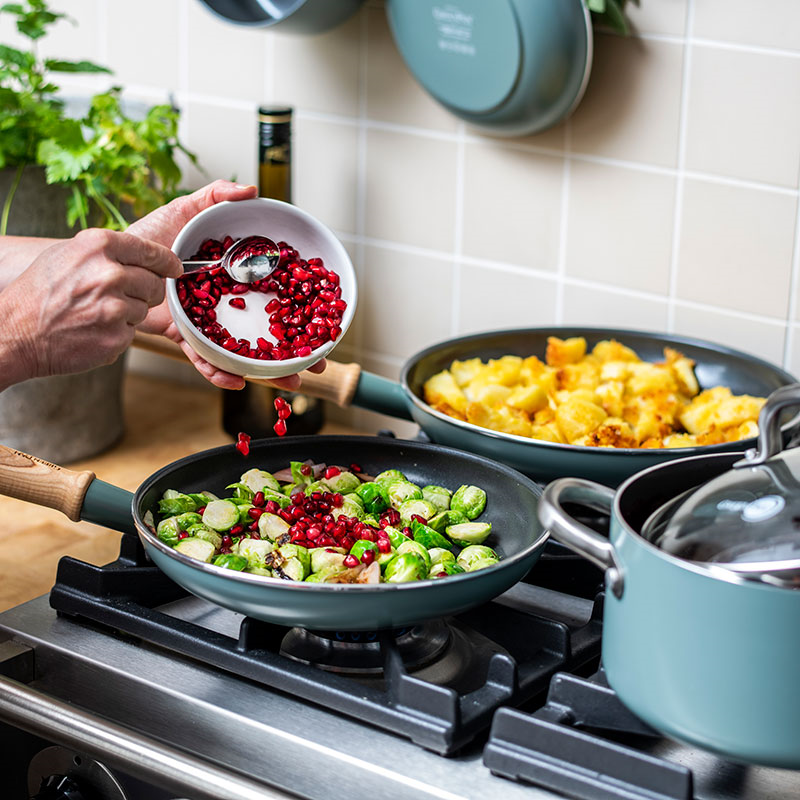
[(78, 303), (163, 225)]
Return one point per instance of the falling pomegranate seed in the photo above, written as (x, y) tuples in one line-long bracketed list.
[(243, 444), (280, 427)]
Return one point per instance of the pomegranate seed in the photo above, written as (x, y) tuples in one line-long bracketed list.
[(355, 468), (236, 530), (243, 444), (280, 427), (259, 499), (367, 557), (306, 470), (385, 546), (350, 561), (255, 513), (332, 472), (237, 302), (182, 534)]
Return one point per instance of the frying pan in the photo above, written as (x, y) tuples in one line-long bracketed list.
[(511, 508), (716, 365)]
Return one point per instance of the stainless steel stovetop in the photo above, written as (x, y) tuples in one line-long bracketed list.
[(267, 743)]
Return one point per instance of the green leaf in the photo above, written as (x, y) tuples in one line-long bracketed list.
[(14, 56), (598, 6), (61, 164), (74, 66)]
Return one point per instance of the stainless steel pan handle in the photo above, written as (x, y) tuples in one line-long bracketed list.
[(124, 749), (578, 537)]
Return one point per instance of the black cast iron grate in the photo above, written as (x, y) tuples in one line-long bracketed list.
[(537, 642)]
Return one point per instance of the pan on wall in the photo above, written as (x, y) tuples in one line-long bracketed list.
[(294, 16), (510, 67)]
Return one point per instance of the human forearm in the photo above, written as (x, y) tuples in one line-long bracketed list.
[(15, 355), (17, 253)]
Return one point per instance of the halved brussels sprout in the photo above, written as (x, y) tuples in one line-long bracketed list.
[(241, 491), (289, 550), (396, 537), (475, 553), (440, 522), (351, 507), (410, 546), (255, 551), (343, 483), (271, 526), (196, 548), (324, 558), (444, 569), (259, 479), (201, 532), (420, 508), (405, 567), (469, 532), (221, 515), (374, 497), (469, 500), (292, 569), (168, 530), (400, 491), (174, 502), (428, 537), (389, 476), (437, 496), (230, 561), (482, 563), (441, 556)]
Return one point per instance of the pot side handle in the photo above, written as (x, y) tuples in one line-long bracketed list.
[(39, 482), (575, 535)]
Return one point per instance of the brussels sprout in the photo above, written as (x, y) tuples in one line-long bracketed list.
[(482, 563), (176, 503), (316, 486), (440, 522), (372, 522), (314, 577), (292, 569), (230, 561), (201, 532), (279, 497), (405, 567), (389, 476), (351, 507), (410, 546), (168, 530), (241, 491), (298, 473), (221, 515), (396, 537), (255, 551), (244, 514), (384, 558), (437, 496), (469, 532), (324, 558), (374, 497), (469, 500), (428, 537), (473, 553), (267, 573), (400, 491), (188, 519), (362, 545), (288, 488), (199, 499), (445, 569), (441, 556), (420, 508), (271, 526), (196, 548), (259, 479), (300, 553), (343, 483)]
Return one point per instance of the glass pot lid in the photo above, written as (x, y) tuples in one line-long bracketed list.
[(746, 520)]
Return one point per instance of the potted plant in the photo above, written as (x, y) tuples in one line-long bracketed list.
[(60, 172)]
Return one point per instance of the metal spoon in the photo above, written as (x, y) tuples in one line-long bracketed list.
[(250, 259)]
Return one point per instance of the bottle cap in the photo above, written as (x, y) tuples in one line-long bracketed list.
[(275, 114)]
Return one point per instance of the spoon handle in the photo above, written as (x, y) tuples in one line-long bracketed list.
[(199, 266)]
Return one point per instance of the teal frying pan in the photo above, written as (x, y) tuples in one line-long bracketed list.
[(715, 366), (511, 508)]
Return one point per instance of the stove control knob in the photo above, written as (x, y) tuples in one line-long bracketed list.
[(59, 787)]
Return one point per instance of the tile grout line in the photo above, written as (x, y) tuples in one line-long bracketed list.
[(681, 175)]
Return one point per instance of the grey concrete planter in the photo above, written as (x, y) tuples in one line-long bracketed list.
[(66, 417)]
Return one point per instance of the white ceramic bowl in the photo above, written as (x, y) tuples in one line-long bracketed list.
[(281, 222)]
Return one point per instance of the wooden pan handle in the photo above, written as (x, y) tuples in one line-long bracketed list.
[(337, 384), (42, 483)]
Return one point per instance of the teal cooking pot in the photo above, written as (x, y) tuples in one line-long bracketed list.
[(510, 67), (702, 651)]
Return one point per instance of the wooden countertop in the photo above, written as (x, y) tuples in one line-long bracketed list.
[(182, 420)]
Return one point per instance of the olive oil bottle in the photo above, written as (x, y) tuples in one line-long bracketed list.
[(252, 409)]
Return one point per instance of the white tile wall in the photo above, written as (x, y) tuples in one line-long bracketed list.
[(668, 201)]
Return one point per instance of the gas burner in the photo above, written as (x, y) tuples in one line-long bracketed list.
[(361, 653)]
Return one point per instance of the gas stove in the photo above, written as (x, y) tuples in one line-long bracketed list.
[(121, 686)]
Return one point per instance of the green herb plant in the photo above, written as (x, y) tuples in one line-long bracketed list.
[(610, 14), (109, 163)]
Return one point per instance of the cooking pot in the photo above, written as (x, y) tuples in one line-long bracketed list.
[(715, 366), (293, 16), (510, 67), (511, 508), (698, 650)]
